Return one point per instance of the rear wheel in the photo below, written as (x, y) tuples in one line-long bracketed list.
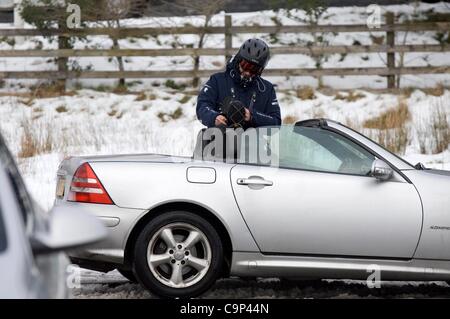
[(178, 254)]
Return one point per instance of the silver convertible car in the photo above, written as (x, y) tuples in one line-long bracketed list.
[(326, 203)]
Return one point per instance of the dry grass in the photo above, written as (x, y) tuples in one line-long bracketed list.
[(141, 96), (406, 92), (390, 128), (46, 90), (120, 89), (61, 109), (290, 119), (28, 143), (47, 143), (185, 99), (165, 117), (34, 141), (50, 90), (440, 130), (37, 109), (396, 140), (392, 118), (350, 97), (305, 93), (177, 113), (423, 136), (438, 90), (120, 115), (112, 113)]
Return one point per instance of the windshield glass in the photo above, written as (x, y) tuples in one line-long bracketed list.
[(384, 148)]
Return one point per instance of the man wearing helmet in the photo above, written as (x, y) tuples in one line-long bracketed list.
[(242, 82)]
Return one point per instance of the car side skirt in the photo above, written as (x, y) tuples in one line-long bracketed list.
[(259, 265)]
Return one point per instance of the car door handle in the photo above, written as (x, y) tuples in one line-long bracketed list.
[(254, 181)]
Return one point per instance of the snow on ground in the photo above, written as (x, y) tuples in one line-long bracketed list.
[(334, 15), (113, 285)]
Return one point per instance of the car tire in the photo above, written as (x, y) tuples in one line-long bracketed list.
[(128, 274), (178, 254)]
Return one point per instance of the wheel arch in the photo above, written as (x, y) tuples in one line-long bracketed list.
[(194, 208)]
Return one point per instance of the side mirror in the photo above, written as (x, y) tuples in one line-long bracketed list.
[(68, 228), (381, 171), (420, 166)]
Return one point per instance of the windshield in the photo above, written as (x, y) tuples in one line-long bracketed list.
[(384, 148)]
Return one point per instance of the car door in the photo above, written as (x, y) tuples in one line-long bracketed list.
[(320, 200)]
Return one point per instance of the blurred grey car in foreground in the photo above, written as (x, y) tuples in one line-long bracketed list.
[(32, 264), (336, 205)]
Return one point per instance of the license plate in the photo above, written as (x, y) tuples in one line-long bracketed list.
[(60, 187)]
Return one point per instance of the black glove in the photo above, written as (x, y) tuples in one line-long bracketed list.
[(234, 111)]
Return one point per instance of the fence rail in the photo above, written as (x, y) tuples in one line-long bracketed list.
[(204, 73), (390, 48), (256, 29), (340, 49)]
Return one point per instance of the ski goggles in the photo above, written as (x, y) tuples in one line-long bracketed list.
[(250, 67)]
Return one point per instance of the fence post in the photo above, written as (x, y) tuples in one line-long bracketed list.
[(390, 41), (228, 37), (63, 43), (62, 63)]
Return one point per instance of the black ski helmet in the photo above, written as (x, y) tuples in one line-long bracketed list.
[(255, 51)]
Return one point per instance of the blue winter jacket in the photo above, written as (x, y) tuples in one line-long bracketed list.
[(264, 108)]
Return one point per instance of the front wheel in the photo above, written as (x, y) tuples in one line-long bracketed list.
[(178, 255)]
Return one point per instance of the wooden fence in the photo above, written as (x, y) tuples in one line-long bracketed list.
[(390, 71)]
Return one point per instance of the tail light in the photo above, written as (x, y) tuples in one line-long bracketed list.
[(87, 188)]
